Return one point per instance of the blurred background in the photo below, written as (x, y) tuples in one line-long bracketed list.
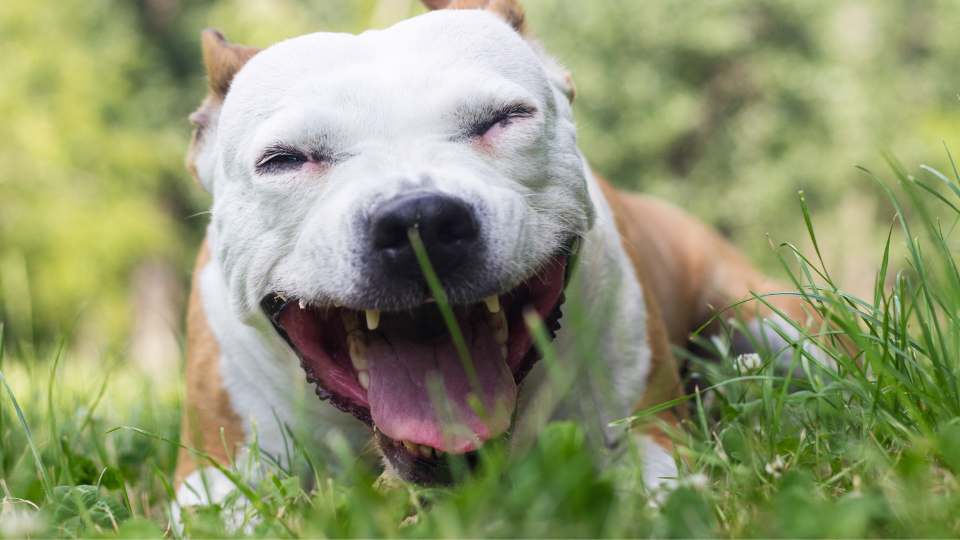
[(726, 108)]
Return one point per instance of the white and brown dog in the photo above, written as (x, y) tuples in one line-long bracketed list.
[(322, 151)]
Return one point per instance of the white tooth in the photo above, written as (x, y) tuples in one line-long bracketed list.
[(493, 303), (373, 318), (351, 321), (364, 379), (357, 348), (303, 304), (503, 351), (426, 451)]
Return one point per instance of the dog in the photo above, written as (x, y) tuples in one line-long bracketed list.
[(336, 161)]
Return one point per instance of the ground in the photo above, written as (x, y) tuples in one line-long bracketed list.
[(869, 446)]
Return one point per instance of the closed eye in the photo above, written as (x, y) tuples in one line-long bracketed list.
[(485, 120), (276, 159)]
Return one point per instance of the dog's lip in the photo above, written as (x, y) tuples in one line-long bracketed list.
[(275, 302), (275, 305)]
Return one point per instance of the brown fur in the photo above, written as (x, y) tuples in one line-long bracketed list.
[(692, 270), (222, 61), (688, 272), (509, 10), (207, 408)]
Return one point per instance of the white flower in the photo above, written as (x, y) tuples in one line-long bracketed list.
[(697, 481), (748, 362), (776, 467)]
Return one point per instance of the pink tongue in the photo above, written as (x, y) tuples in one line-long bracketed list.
[(419, 390)]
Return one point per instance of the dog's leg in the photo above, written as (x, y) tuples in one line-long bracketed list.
[(688, 272), (663, 385), (209, 424), (662, 381)]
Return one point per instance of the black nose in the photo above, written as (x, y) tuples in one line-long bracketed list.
[(447, 226)]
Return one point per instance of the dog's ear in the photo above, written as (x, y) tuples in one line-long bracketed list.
[(559, 76), (222, 61), (510, 10)]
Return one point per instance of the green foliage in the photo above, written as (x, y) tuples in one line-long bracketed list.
[(731, 107), (728, 108), (864, 445), (78, 507)]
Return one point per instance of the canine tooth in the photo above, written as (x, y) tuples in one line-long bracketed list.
[(503, 351), (426, 451), (373, 318), (303, 304), (500, 330), (357, 348), (364, 379), (412, 448), (493, 303)]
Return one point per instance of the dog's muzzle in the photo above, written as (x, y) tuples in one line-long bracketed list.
[(426, 392)]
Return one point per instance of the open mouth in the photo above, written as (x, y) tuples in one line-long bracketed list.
[(424, 392)]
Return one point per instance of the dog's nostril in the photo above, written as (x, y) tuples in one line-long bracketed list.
[(457, 226), (447, 226), (390, 233)]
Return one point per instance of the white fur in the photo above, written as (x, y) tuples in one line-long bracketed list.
[(208, 486), (606, 382), (383, 101), (659, 467)]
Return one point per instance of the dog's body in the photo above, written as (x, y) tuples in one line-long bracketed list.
[(646, 273)]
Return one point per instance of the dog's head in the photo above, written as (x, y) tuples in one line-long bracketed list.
[(327, 153)]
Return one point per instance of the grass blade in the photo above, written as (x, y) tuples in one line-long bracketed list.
[(37, 460), (443, 303)]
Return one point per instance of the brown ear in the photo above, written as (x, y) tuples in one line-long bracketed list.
[(223, 60), (510, 10)]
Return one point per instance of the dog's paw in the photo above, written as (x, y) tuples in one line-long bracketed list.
[(781, 337), (659, 468), (210, 487)]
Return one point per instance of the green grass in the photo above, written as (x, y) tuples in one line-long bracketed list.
[(870, 447)]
